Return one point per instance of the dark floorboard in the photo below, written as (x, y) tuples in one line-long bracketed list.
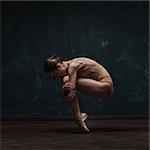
[(106, 134)]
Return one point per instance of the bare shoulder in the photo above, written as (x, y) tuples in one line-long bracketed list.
[(76, 63), (79, 62)]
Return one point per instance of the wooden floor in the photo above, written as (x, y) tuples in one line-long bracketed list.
[(106, 134)]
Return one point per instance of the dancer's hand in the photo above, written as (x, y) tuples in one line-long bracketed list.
[(69, 86), (68, 91)]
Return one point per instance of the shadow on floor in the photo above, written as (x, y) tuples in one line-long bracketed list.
[(99, 129)]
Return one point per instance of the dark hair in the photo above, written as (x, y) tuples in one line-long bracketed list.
[(50, 63)]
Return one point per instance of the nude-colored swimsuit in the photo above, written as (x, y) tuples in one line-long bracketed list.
[(95, 72)]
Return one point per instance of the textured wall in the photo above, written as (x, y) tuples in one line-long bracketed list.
[(113, 33)]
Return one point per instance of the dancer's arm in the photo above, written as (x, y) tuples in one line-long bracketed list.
[(70, 86)]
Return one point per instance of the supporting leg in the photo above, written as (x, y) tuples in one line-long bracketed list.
[(79, 117), (74, 103)]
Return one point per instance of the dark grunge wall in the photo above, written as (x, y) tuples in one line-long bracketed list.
[(113, 33)]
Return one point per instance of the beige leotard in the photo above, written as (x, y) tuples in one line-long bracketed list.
[(95, 71)]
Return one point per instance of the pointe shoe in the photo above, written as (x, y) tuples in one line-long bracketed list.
[(84, 116), (82, 126)]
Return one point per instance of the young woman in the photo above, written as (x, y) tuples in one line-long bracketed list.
[(83, 74)]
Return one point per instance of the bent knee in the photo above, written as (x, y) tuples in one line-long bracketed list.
[(107, 90)]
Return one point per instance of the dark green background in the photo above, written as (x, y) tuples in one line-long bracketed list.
[(113, 33)]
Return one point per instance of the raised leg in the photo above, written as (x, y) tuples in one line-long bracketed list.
[(95, 88)]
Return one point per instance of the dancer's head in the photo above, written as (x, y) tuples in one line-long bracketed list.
[(55, 67)]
